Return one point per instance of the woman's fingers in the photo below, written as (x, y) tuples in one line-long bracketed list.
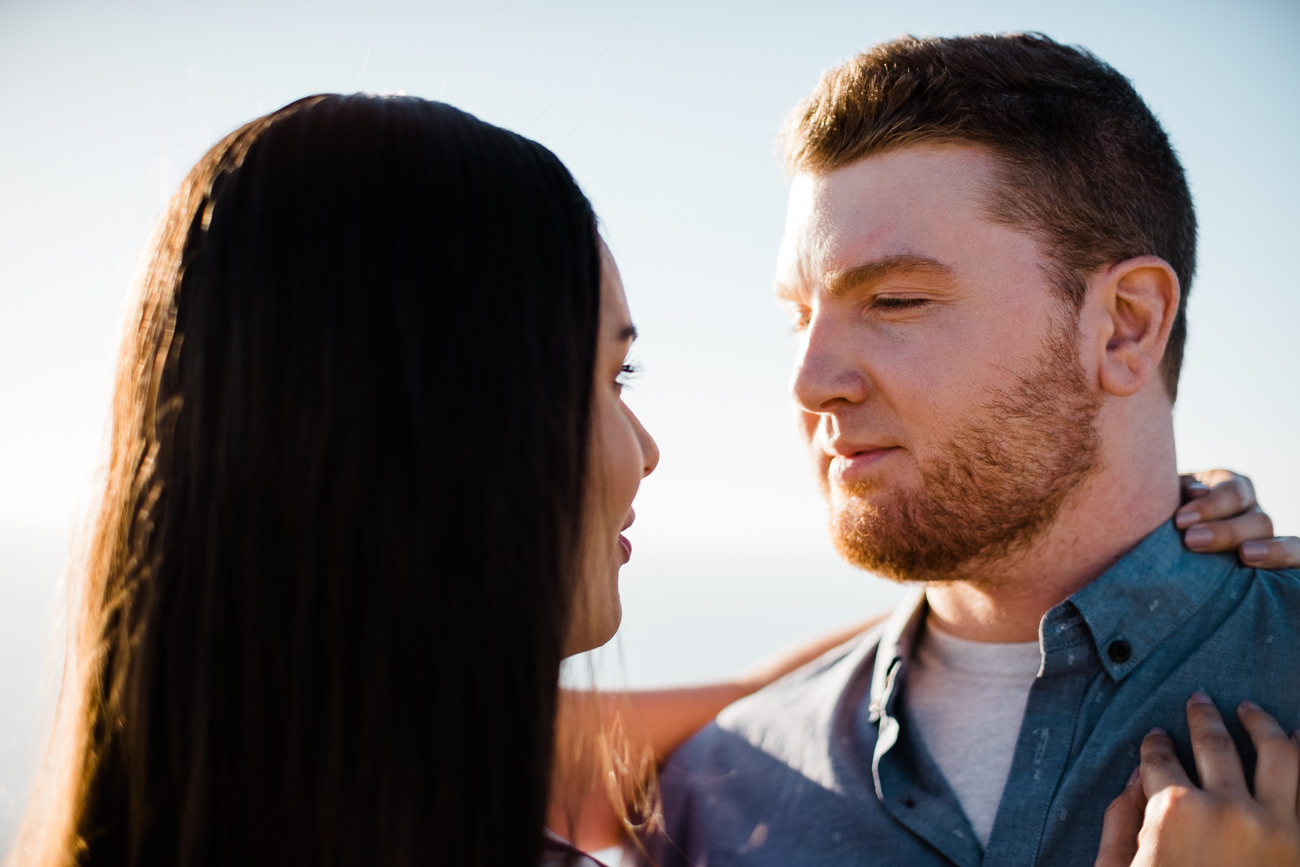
[(1214, 495), (1160, 767), (1230, 533), (1219, 513), (1221, 822), (1192, 488), (1277, 770), (1217, 761), (1280, 553), (1119, 830), (1295, 737)]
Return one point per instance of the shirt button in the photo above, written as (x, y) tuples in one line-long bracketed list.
[(1119, 651)]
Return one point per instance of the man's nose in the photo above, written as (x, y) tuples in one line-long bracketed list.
[(827, 369)]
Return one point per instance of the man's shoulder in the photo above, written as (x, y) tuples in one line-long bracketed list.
[(1159, 588), (771, 763), (1269, 596), (1209, 623), (1283, 583), (810, 691), (790, 722), (1274, 594)]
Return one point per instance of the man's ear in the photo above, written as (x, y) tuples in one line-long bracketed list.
[(1139, 298)]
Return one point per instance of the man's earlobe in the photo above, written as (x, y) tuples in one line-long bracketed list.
[(1141, 296)]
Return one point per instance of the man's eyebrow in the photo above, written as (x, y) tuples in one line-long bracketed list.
[(842, 283)]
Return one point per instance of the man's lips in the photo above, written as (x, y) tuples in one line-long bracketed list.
[(857, 464)]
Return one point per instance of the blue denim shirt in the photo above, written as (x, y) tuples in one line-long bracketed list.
[(822, 768)]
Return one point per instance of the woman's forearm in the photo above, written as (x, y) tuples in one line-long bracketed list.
[(650, 723)]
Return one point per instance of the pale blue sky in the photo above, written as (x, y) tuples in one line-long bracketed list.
[(667, 114)]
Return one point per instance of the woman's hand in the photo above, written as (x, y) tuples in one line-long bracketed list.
[(1219, 513), (1162, 819)]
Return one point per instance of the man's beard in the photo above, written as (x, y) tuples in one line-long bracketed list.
[(992, 488)]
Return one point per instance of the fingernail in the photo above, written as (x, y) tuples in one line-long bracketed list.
[(1248, 705), (1133, 777), (1200, 697), (1198, 537), (1183, 520), (1254, 551), (1157, 730)]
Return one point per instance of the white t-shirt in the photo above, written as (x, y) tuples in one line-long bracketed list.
[(966, 699)]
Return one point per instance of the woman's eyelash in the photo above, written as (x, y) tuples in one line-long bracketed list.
[(627, 370)]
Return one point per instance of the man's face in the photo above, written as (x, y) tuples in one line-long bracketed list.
[(938, 374)]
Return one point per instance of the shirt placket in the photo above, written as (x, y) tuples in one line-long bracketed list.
[(911, 788), (1046, 736)]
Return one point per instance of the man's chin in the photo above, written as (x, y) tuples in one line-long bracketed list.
[(876, 534), (908, 537)]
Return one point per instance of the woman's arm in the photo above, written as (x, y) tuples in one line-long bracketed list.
[(651, 724), (662, 719), (1163, 820)]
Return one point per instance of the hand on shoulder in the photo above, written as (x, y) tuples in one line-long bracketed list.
[(1162, 819), (1220, 513)]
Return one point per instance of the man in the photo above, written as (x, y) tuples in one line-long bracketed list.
[(987, 257)]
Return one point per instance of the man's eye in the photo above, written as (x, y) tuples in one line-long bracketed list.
[(890, 303), (799, 319)]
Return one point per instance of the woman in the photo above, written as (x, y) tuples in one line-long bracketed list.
[(369, 469), (369, 474)]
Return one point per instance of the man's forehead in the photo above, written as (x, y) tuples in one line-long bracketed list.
[(821, 231), (813, 203), (806, 224), (890, 201)]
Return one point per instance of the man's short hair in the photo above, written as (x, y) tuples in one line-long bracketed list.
[(1084, 165)]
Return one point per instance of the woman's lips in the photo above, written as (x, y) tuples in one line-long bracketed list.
[(622, 540)]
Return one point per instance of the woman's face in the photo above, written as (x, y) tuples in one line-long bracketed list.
[(622, 453)]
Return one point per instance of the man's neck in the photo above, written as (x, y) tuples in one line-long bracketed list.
[(1004, 600)]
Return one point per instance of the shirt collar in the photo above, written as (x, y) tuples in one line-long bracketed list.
[(1134, 606), (897, 639), (1130, 610)]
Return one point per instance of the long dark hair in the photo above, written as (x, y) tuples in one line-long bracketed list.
[(332, 574)]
